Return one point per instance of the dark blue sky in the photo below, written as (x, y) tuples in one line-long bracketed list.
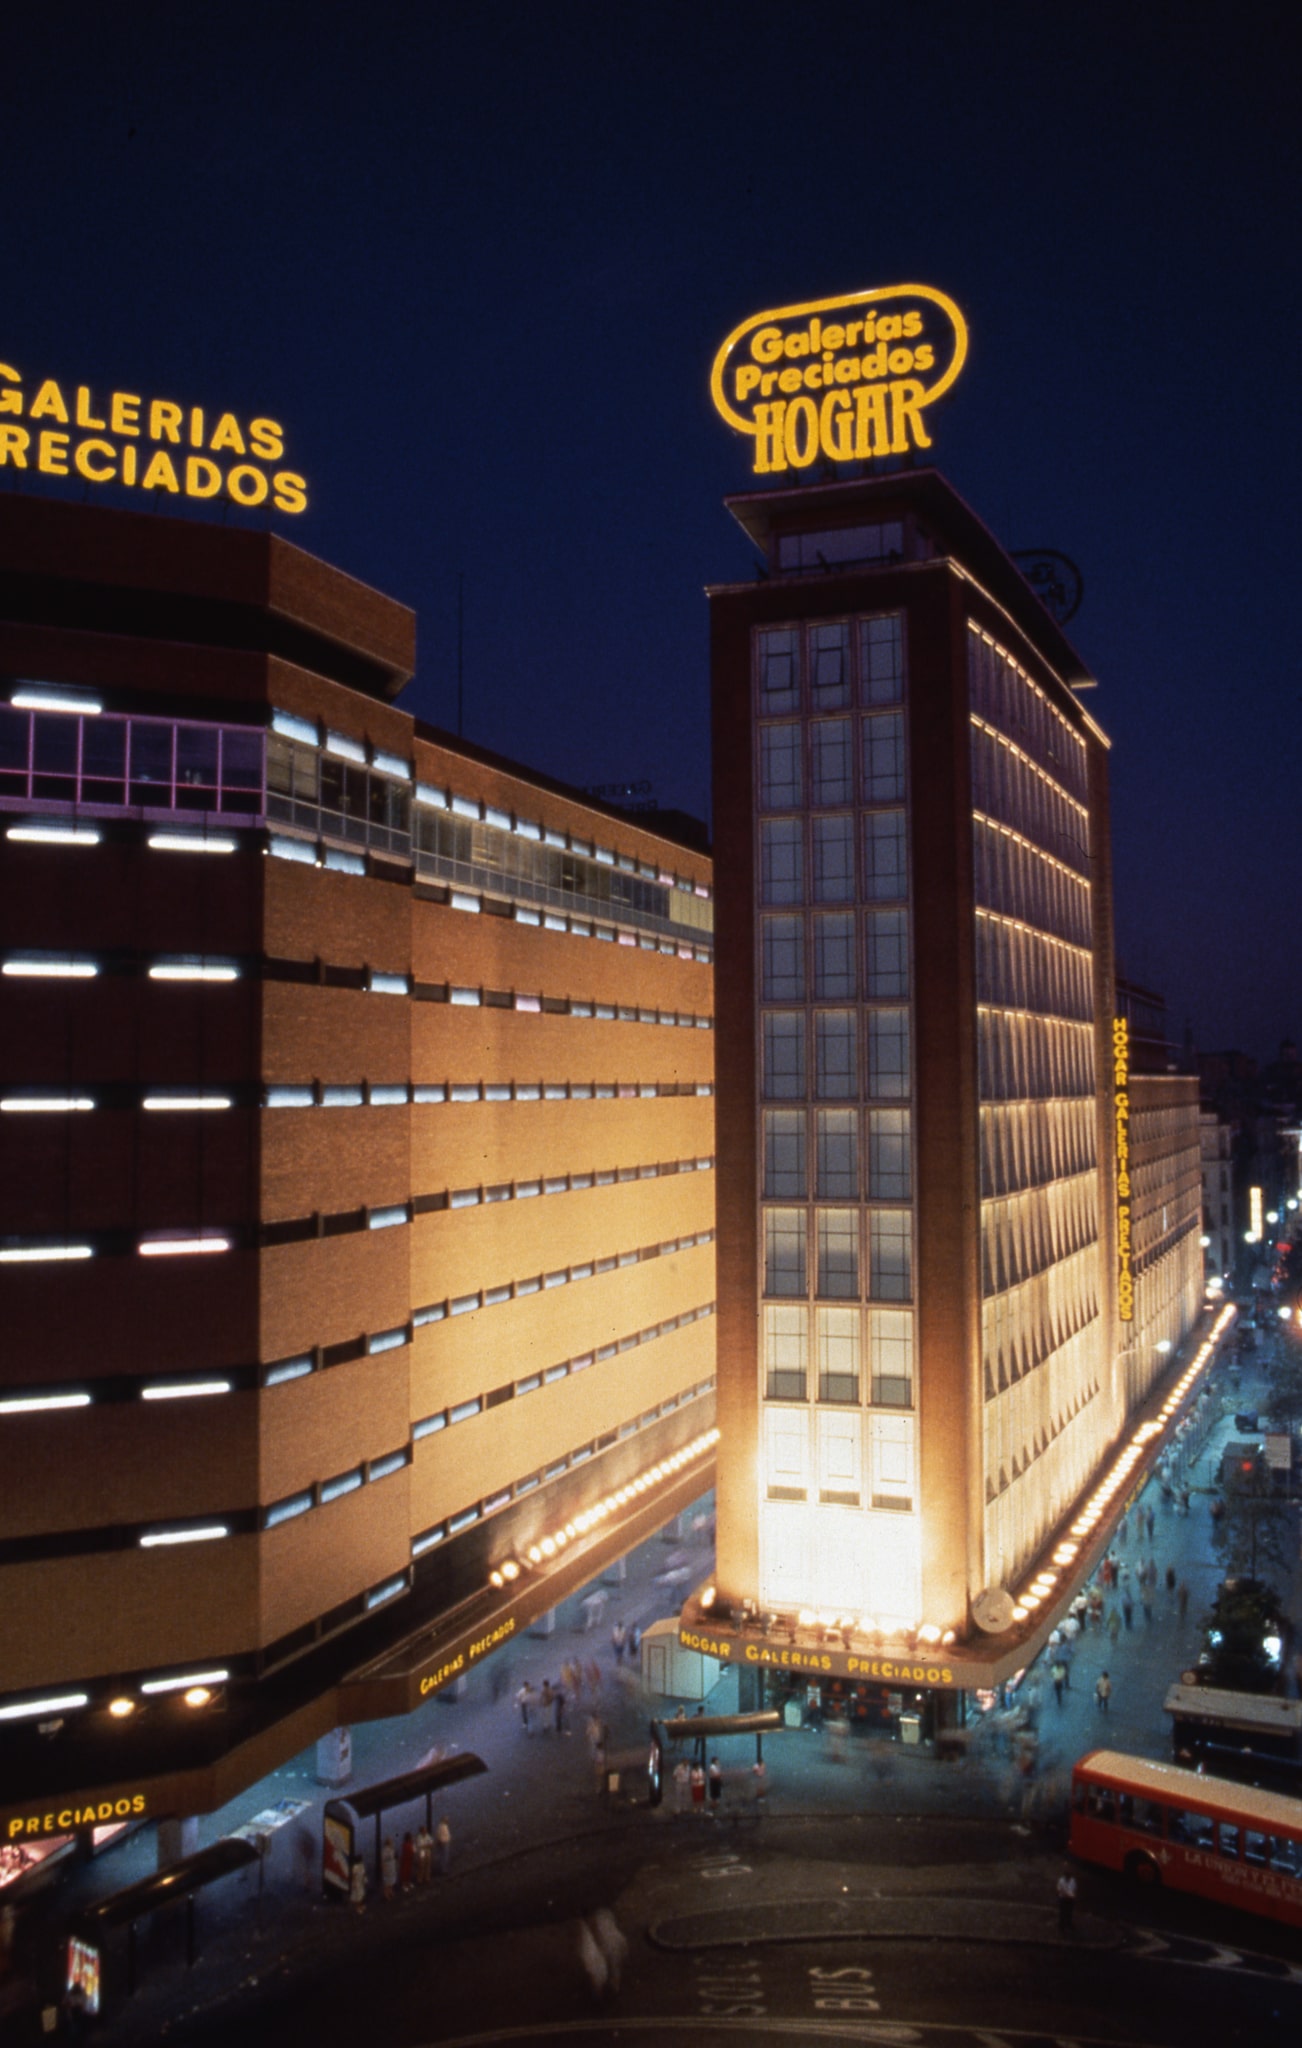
[(478, 259)]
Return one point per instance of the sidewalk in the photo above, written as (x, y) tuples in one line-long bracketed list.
[(542, 1788)]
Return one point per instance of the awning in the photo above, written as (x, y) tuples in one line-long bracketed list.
[(408, 1785)]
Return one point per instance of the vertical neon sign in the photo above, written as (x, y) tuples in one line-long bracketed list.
[(1121, 1105)]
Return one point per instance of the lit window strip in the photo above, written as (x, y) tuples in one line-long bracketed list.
[(1020, 753), (491, 1297), (436, 797), (477, 1404), (547, 1548)]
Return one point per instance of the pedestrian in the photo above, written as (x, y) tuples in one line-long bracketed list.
[(1102, 1692), (1113, 1626), (634, 1640), (716, 1784), (1182, 1599), (1150, 1522), (700, 1741), (759, 1772), (524, 1700), (558, 1702), (1184, 1500), (1066, 1901), (1170, 1579), (443, 1838), (682, 1784), (1058, 1673), (613, 1943), (424, 1855), (1123, 1530), (357, 1885), (1146, 1602), (1128, 1611), (593, 1675), (388, 1868), (618, 1639), (406, 1863), (1070, 1629), (1065, 1656), (591, 1960), (545, 1699), (698, 1788)]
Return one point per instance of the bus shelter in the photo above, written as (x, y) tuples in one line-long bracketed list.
[(698, 1729), (182, 1880), (342, 1818)]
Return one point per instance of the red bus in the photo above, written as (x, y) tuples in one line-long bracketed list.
[(1162, 1824)]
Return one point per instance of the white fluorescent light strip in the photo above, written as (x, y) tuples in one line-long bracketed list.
[(61, 1703), (179, 971), (38, 1105), (155, 1685), (56, 835), (181, 1247), (42, 1254), (185, 1393), (39, 1404), (169, 1536), (55, 970), (189, 842), (186, 1102), (43, 697)]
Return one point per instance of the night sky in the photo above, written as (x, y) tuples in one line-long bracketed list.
[(477, 258)]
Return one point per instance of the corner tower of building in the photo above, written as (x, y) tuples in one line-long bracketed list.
[(916, 1253)]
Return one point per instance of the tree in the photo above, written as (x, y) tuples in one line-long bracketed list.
[(1286, 1387), (1252, 1532), (1244, 1614)]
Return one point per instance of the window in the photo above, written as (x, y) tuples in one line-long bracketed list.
[(881, 659), (838, 1254), (838, 1155), (829, 666), (885, 856), (890, 1238), (784, 1054), (891, 1440), (784, 959), (890, 1356), (786, 1454), (889, 1156), (784, 1155), (834, 860), (786, 1352), (832, 762), (836, 1075), (779, 669), (887, 935), (834, 964), (782, 861), (838, 1354), (883, 758), (888, 1053), (784, 1252), (780, 778)]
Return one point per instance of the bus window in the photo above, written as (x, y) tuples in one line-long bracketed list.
[(1100, 1804), (1256, 1846), (1228, 1842), (1285, 1855), (1146, 1817), (1194, 1828)]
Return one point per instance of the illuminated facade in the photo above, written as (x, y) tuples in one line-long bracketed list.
[(358, 1195), (917, 1231)]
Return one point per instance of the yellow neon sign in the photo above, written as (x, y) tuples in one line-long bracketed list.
[(1121, 1104), (151, 444), (847, 388)]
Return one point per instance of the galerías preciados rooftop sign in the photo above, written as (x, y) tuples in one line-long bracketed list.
[(846, 379)]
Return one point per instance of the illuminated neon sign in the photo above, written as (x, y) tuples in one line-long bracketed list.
[(847, 378), (152, 444), (1121, 1104)]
